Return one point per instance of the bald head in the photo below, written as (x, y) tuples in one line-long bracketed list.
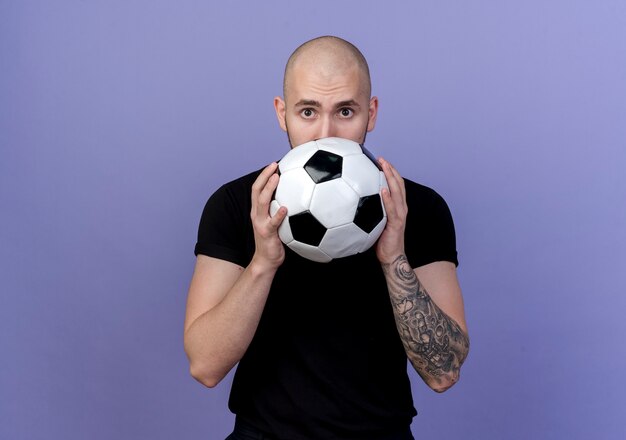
[(327, 56)]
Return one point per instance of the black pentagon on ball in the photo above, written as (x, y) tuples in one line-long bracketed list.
[(306, 229), (324, 166), (369, 213)]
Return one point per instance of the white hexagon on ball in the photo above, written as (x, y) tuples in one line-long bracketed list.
[(295, 190), (361, 174)]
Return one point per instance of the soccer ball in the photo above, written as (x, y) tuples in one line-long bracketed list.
[(331, 188)]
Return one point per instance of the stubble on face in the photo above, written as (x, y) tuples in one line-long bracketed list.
[(292, 146)]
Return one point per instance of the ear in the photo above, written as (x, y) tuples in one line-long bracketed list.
[(373, 112), (279, 106)]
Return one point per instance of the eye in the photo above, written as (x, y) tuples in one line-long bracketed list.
[(307, 113), (346, 112)]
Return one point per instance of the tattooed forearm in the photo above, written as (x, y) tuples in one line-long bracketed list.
[(435, 344)]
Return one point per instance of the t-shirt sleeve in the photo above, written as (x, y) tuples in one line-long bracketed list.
[(220, 231), (430, 229)]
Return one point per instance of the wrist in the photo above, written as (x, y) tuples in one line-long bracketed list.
[(392, 258), (260, 267)]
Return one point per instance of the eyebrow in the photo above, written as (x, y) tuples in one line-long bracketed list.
[(348, 103), (308, 103), (313, 103)]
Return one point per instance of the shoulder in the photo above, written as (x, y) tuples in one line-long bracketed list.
[(430, 233), (235, 190), (420, 195), (242, 183), (232, 196), (225, 229)]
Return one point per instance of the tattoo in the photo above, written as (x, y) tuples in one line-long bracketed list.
[(435, 344)]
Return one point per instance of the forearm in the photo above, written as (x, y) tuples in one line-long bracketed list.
[(218, 339), (435, 344)]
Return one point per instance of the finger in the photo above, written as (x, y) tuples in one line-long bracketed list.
[(262, 179), (261, 182), (394, 180), (394, 197), (396, 174), (278, 217), (387, 201), (391, 170), (266, 195)]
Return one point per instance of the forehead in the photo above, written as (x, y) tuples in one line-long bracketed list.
[(311, 82)]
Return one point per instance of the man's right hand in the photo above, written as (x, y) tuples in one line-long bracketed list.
[(270, 251)]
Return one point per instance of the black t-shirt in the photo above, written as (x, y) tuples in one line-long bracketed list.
[(326, 361)]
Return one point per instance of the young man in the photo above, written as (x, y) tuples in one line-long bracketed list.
[(322, 348)]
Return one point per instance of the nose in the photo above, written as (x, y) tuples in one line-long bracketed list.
[(327, 128)]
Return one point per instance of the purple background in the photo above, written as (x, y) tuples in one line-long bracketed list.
[(119, 118)]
